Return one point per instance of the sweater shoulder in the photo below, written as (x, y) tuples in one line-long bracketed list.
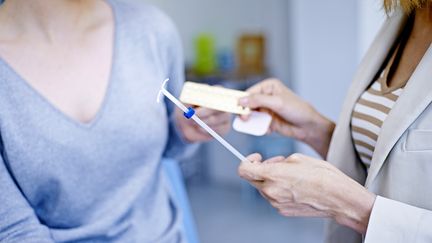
[(140, 17)]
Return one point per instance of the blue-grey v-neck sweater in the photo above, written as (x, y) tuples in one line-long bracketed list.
[(66, 181)]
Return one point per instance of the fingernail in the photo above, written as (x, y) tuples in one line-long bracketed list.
[(244, 101)]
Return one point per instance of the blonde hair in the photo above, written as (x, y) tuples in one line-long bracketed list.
[(406, 5)]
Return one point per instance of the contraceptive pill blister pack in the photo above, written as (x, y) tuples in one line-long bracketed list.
[(213, 97)]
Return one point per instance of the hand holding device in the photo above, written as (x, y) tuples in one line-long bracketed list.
[(189, 113)]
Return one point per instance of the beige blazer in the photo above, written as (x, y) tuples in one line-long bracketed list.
[(401, 169)]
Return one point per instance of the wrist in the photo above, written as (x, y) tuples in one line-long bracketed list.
[(355, 207), (320, 131)]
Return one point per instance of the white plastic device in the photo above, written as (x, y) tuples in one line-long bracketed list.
[(257, 124), (193, 116)]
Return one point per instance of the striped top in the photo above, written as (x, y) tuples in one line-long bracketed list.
[(371, 111)]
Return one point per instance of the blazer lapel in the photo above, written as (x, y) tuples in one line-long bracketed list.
[(342, 146), (417, 95), (374, 58)]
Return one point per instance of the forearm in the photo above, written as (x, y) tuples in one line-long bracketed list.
[(18, 221)]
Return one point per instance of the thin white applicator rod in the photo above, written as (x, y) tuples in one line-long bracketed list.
[(219, 138), (204, 126), (174, 100)]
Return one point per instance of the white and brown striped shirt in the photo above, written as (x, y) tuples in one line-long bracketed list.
[(376, 102), (369, 113), (372, 109)]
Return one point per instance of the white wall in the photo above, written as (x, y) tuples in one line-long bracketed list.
[(324, 44), (329, 38), (371, 16)]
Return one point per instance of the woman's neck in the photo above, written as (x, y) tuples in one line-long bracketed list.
[(53, 20), (423, 22)]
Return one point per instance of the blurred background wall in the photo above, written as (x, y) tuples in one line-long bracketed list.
[(314, 47)]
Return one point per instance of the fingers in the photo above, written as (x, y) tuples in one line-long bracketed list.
[(219, 121), (251, 171), (220, 129), (296, 157), (261, 96), (254, 101), (212, 117), (257, 184), (275, 160), (223, 129), (255, 157), (267, 86), (257, 171), (244, 117), (206, 112)]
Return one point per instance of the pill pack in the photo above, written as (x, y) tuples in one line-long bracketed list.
[(213, 97)]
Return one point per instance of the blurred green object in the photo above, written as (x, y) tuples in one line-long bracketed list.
[(205, 54)]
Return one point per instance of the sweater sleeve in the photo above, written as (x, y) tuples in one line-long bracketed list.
[(177, 146), (18, 221), (393, 221)]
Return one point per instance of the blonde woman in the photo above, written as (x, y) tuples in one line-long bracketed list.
[(81, 134), (377, 178)]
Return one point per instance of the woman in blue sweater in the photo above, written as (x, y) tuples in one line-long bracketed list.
[(81, 134)]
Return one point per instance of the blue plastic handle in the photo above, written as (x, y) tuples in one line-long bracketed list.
[(189, 114)]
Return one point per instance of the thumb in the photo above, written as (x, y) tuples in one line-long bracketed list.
[(251, 171), (254, 101), (256, 157)]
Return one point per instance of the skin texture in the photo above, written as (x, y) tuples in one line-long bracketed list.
[(64, 48), (292, 117), (299, 185), (220, 122), (418, 42), (303, 186)]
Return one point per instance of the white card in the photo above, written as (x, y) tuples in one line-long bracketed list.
[(257, 124)]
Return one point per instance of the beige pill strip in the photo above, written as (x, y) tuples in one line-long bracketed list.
[(213, 97)]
